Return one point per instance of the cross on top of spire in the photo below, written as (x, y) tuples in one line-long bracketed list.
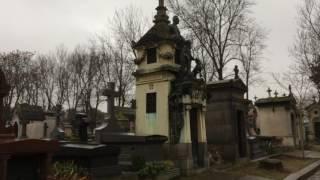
[(269, 92)]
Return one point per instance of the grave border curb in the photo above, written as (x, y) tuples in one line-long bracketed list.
[(305, 172)]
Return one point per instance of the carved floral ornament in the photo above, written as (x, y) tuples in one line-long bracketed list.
[(163, 55)]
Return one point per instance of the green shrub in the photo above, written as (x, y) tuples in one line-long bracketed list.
[(68, 170), (138, 162), (153, 169)]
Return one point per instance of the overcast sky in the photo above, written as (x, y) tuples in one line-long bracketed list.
[(41, 25)]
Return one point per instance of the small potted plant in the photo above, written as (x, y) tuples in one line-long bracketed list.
[(158, 170), (68, 171)]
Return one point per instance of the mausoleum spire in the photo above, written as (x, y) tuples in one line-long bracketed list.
[(161, 13)]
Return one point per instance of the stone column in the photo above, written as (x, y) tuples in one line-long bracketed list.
[(3, 165), (186, 131), (202, 133), (184, 148)]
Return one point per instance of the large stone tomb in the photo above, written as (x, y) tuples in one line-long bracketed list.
[(226, 118), (26, 159), (170, 94), (313, 127), (100, 160), (279, 117)]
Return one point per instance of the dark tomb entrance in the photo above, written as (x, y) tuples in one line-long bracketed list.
[(317, 131), (241, 135), (293, 129), (194, 136)]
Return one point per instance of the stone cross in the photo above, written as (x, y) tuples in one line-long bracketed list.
[(161, 3), (236, 72), (290, 90), (111, 94), (269, 92)]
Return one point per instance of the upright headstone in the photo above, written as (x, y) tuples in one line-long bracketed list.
[(83, 124), (58, 132), (111, 124)]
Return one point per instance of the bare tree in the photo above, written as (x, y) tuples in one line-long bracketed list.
[(15, 66), (251, 43), (307, 45), (213, 23), (61, 74), (302, 87), (128, 25), (46, 66)]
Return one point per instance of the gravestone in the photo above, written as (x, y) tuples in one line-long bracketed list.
[(82, 126), (110, 125), (226, 118), (101, 161), (57, 132)]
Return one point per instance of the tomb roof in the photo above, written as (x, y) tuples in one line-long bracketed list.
[(27, 112), (160, 31), (233, 83), (276, 100), (312, 106)]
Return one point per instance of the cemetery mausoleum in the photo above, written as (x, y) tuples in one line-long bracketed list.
[(170, 94)]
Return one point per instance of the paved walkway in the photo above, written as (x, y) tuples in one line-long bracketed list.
[(316, 176), (307, 154)]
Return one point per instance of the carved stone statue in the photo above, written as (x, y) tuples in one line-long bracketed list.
[(175, 30), (197, 69), (186, 57)]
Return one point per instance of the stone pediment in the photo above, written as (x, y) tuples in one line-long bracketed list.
[(271, 101), (229, 83)]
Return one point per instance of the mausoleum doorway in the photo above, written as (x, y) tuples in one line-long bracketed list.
[(316, 122), (194, 136)]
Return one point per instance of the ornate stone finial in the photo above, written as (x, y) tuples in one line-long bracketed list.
[(255, 98), (161, 15), (269, 92), (161, 3), (290, 90), (276, 94), (284, 94), (236, 72)]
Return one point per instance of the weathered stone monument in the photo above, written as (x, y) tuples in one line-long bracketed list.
[(170, 98), (313, 113), (279, 117), (226, 118)]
